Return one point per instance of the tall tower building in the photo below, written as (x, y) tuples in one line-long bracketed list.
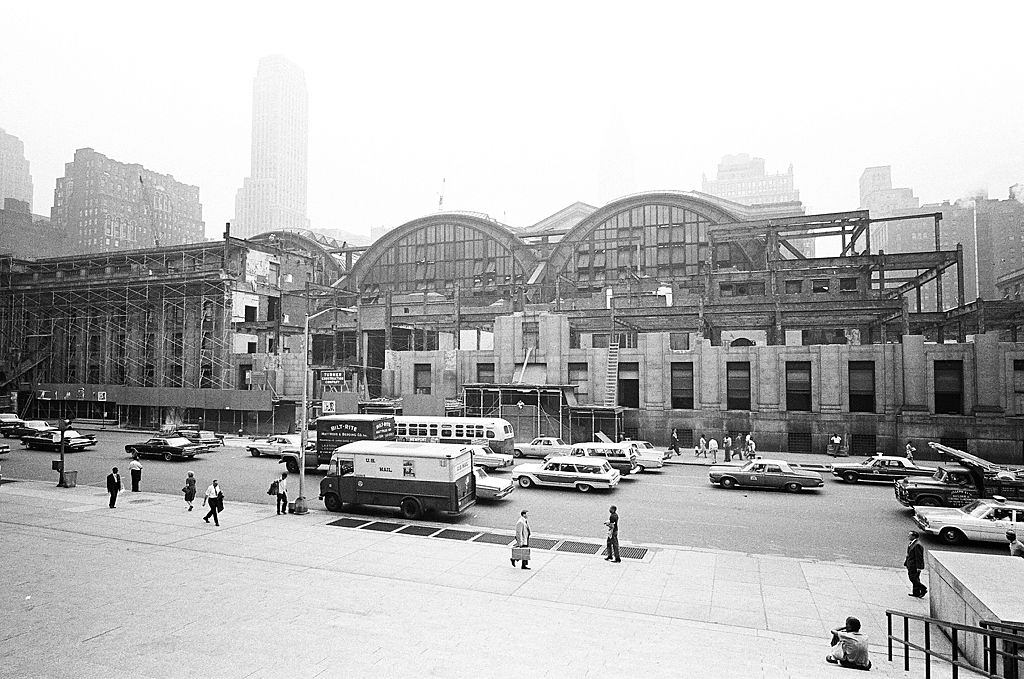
[(15, 179), (743, 179), (274, 194), (103, 205)]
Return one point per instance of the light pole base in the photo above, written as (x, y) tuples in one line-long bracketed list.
[(300, 506)]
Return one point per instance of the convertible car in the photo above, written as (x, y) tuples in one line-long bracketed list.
[(761, 473)]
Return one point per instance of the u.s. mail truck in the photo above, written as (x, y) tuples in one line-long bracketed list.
[(415, 477)]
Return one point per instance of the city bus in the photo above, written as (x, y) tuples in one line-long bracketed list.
[(459, 430)]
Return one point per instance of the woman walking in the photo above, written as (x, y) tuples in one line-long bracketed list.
[(190, 490)]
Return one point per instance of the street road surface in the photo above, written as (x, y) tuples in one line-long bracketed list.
[(861, 523)]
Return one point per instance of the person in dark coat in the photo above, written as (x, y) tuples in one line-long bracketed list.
[(613, 535), (915, 564), (522, 538), (675, 442), (113, 486)]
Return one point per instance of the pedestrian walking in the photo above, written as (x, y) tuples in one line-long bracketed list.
[(751, 447), (702, 447), (910, 452), (214, 497), (1016, 547), (522, 538), (613, 535), (713, 449), (915, 564), (135, 469), (675, 442), (727, 447), (114, 486), (282, 494), (189, 489)]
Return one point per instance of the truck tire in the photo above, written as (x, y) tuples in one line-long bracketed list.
[(928, 501), (332, 502), (255, 452), (411, 508), (292, 465), (850, 477), (952, 536)]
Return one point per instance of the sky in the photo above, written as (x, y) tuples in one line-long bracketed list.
[(520, 109)]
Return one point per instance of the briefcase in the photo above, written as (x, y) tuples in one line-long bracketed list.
[(521, 553)]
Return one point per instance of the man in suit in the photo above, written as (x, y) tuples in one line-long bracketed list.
[(915, 564), (113, 486), (522, 538), (613, 535)]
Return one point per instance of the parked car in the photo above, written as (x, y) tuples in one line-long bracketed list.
[(582, 473), (28, 428), (622, 456), (4, 448), (650, 450), (50, 440), (542, 446), (9, 421), (277, 445), (647, 456), (879, 468), (491, 487), (169, 448), (202, 436), (483, 456), (982, 520), (761, 473)]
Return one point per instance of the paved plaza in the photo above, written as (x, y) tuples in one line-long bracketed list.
[(149, 590)]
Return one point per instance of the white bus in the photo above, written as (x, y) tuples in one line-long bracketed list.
[(459, 430)]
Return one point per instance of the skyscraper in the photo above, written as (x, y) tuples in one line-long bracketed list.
[(104, 205), (15, 179), (274, 194), (743, 179)]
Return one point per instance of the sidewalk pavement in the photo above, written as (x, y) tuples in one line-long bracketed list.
[(812, 461), (149, 590)]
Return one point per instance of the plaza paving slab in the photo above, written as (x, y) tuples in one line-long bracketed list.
[(150, 590)]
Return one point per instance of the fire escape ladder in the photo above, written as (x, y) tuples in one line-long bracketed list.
[(611, 396)]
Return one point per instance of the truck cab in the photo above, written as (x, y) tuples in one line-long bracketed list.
[(956, 485)]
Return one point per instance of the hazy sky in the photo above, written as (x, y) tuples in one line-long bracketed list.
[(524, 108)]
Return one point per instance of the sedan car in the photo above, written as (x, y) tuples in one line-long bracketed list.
[(647, 456), (276, 445), (582, 473), (982, 520), (169, 448), (761, 473), (29, 428), (9, 421), (50, 440), (491, 487), (648, 449), (483, 456), (879, 468)]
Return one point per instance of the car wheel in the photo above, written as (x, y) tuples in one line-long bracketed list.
[(952, 536), (292, 465), (517, 453), (254, 452), (641, 468), (928, 501), (332, 502), (727, 482), (584, 487), (168, 457), (411, 508), (525, 481), (850, 477), (794, 487)]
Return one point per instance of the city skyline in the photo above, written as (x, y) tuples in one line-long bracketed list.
[(509, 133)]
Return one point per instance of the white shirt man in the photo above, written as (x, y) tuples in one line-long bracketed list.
[(212, 497)]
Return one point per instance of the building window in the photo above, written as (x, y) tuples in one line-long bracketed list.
[(629, 385), (579, 374), (819, 285), (794, 287), (862, 386), (798, 385), (485, 373), (682, 386), (737, 385), (574, 338), (250, 347), (531, 335), (847, 285), (949, 387), (679, 341), (421, 378), (250, 313)]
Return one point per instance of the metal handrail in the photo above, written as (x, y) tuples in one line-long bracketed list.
[(1010, 653)]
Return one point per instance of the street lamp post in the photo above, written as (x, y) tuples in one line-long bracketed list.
[(300, 502)]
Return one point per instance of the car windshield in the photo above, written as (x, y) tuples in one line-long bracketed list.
[(976, 508), (481, 473)]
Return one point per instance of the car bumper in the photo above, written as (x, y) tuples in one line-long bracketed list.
[(503, 493)]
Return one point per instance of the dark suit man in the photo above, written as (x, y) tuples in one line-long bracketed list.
[(113, 486), (915, 564), (613, 535)]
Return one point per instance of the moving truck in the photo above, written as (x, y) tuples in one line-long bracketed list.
[(337, 430), (415, 477)]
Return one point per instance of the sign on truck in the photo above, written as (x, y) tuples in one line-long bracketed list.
[(415, 477), (333, 431)]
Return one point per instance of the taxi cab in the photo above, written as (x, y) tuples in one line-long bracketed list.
[(582, 473), (982, 520)]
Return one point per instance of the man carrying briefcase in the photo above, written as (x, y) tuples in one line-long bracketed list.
[(521, 550)]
